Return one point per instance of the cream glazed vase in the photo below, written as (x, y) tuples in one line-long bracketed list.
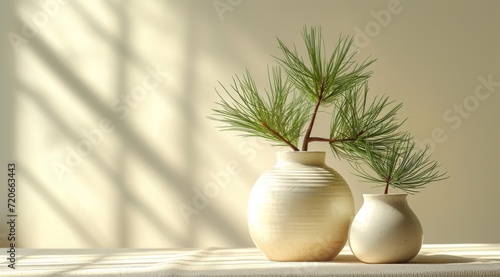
[(385, 230), (300, 209)]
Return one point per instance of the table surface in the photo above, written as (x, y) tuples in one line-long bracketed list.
[(433, 260)]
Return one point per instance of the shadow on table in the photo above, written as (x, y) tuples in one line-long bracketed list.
[(450, 259), (442, 259), (420, 259), (423, 259), (343, 258)]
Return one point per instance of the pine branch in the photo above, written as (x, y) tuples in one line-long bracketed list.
[(323, 79), (365, 133), (279, 116), (400, 166), (280, 136), (307, 136), (362, 123), (341, 140)]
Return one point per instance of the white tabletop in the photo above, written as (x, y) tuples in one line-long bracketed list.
[(433, 260)]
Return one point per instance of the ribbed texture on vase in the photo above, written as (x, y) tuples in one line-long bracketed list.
[(300, 209)]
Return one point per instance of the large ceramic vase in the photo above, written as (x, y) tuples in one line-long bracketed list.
[(385, 230), (300, 209)]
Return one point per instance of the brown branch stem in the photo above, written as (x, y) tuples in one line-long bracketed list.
[(307, 136), (276, 134), (311, 139), (388, 181)]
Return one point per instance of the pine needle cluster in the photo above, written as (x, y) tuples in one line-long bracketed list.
[(364, 132)]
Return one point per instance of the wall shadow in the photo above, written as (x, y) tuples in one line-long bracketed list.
[(112, 174), (8, 103), (132, 142)]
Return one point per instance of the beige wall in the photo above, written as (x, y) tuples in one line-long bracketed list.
[(129, 84)]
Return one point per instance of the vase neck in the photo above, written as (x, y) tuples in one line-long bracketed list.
[(301, 157), (386, 198)]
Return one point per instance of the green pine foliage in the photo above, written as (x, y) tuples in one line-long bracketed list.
[(400, 166), (320, 79), (357, 123), (364, 132), (278, 116)]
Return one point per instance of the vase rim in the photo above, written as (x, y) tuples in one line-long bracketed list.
[(302, 157), (385, 196)]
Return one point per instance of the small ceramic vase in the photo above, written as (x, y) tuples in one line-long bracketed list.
[(385, 230)]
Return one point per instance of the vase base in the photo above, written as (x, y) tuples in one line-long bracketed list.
[(304, 252)]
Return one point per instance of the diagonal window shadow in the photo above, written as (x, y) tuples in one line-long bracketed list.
[(121, 157), (125, 53), (84, 92), (78, 227), (108, 171), (185, 102)]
